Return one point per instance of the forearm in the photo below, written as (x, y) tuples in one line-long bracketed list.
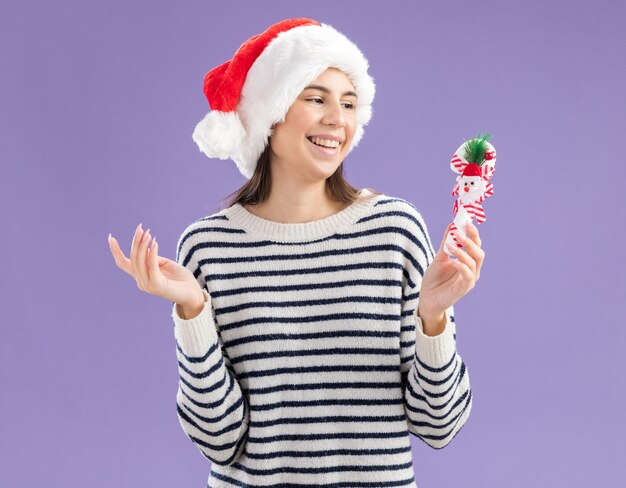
[(438, 394), (212, 408)]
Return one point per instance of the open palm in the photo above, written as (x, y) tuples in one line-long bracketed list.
[(155, 274)]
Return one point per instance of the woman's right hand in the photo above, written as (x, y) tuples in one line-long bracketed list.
[(157, 275)]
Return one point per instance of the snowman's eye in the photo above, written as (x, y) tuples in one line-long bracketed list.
[(465, 183), (472, 182)]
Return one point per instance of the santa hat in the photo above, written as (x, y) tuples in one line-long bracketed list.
[(254, 90), (472, 169)]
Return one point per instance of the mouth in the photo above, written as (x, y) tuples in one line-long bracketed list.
[(325, 146)]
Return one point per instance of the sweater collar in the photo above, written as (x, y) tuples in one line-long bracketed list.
[(315, 229)]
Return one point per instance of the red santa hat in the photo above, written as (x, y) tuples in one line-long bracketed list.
[(253, 91), (472, 169)]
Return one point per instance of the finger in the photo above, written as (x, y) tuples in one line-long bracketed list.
[(466, 273), (440, 252), (153, 264), (474, 250), (134, 251), (120, 259), (473, 234), (142, 265), (464, 257), (473, 245), (135, 245)]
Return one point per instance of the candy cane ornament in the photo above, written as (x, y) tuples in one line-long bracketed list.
[(475, 163)]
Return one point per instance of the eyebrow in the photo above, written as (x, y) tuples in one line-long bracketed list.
[(326, 90)]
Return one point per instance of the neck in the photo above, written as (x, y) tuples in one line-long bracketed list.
[(296, 206)]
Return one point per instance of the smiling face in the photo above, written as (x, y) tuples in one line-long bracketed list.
[(471, 188), (318, 129)]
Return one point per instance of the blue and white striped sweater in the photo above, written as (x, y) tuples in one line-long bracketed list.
[(308, 366)]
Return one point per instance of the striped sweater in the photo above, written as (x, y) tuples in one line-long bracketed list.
[(308, 366)]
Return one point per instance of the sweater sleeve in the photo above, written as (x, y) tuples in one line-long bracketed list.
[(437, 394), (212, 408)]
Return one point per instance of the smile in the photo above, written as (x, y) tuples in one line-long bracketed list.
[(324, 146)]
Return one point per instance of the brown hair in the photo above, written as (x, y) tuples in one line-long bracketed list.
[(258, 187)]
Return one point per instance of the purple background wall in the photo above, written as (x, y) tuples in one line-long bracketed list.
[(98, 103)]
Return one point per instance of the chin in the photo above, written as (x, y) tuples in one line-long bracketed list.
[(320, 170), (328, 165)]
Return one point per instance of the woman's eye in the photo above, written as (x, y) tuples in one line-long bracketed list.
[(348, 105)]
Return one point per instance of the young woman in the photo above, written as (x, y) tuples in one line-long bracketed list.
[(314, 322)]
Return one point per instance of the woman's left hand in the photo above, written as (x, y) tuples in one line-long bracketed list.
[(446, 280)]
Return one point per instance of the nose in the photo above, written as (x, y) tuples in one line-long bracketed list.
[(334, 114), (466, 188)]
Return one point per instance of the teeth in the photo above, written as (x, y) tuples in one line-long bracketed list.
[(324, 142)]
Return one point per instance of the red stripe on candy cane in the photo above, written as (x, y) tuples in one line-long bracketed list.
[(453, 228)]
